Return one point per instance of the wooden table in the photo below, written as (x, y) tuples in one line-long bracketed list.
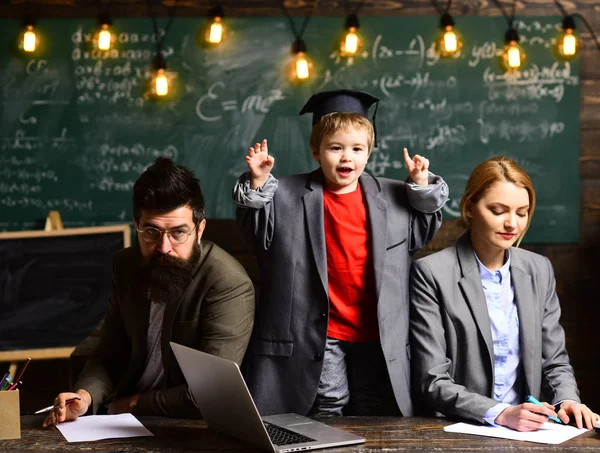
[(389, 434)]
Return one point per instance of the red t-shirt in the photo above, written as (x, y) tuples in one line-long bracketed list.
[(352, 302)]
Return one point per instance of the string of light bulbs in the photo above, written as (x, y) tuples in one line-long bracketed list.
[(160, 85), (301, 66)]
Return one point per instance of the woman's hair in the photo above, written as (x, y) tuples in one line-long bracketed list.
[(496, 169), (333, 122)]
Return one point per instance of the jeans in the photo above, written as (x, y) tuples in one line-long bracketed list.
[(354, 381)]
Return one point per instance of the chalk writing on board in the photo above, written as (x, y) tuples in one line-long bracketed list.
[(139, 150), (557, 73), (23, 174), (19, 188), (22, 142), (536, 26), (519, 132), (211, 108), (116, 76), (416, 48), (380, 161), (47, 204), (80, 36), (446, 135)]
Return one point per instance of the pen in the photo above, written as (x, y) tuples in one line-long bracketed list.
[(49, 408), (531, 399)]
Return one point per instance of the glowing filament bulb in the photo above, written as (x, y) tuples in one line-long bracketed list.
[(350, 42), (302, 70), (450, 40), (569, 43), (29, 40), (513, 56), (215, 32), (104, 38), (161, 83)]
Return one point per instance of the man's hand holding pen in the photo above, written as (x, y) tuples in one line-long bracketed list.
[(81, 401)]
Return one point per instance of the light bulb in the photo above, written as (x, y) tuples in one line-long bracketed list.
[(29, 39), (351, 41), (215, 31), (513, 56), (568, 44), (302, 66), (450, 41), (104, 38), (161, 83)]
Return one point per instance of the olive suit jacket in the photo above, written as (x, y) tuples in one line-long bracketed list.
[(215, 315)]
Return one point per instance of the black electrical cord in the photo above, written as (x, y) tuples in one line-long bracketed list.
[(297, 35), (159, 39), (510, 19), (441, 10)]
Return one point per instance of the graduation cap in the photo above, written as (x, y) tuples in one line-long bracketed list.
[(351, 101)]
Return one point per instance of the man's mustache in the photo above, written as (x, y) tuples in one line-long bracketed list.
[(161, 259)]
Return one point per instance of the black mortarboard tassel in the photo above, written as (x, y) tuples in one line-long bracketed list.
[(351, 101)]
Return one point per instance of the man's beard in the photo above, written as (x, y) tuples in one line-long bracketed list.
[(163, 279)]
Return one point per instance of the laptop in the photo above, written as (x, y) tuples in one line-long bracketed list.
[(221, 393)]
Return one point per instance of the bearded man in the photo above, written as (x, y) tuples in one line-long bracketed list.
[(171, 286)]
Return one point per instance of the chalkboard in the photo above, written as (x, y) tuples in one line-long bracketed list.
[(77, 126), (55, 286)]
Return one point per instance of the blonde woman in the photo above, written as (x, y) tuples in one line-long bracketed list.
[(485, 330)]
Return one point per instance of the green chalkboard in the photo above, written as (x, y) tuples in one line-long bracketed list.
[(77, 127)]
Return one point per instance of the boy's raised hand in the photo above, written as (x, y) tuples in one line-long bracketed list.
[(260, 164), (418, 168)]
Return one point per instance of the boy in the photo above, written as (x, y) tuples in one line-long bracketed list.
[(334, 249)]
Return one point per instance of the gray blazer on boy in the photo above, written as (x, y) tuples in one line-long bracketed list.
[(451, 338), (284, 359)]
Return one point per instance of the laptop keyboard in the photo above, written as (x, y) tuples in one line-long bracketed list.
[(282, 436)]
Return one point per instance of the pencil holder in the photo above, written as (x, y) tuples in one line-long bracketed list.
[(10, 415)]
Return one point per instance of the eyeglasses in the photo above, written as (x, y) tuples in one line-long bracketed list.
[(176, 235)]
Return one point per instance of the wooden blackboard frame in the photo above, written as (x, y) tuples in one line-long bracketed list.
[(58, 352)]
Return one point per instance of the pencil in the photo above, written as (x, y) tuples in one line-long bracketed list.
[(12, 387)]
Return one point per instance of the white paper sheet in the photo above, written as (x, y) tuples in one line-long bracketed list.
[(549, 433), (96, 427)]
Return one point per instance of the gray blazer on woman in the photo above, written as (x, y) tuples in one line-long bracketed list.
[(451, 339)]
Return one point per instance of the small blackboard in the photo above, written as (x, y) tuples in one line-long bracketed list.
[(55, 285)]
